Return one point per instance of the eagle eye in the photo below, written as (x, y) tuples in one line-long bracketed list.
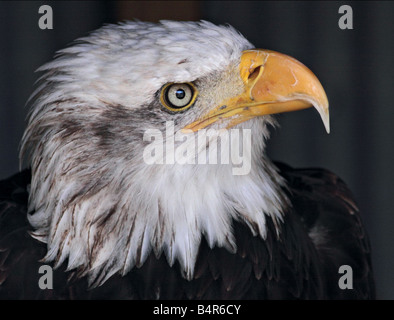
[(178, 96)]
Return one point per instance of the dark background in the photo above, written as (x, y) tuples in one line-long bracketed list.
[(356, 67)]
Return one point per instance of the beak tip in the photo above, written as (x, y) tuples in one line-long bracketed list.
[(326, 121), (324, 115)]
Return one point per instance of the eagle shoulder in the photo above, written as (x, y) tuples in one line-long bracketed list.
[(20, 254), (333, 221)]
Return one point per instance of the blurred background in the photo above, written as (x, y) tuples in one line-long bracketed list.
[(356, 68)]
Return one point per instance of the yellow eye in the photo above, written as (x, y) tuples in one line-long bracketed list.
[(178, 96)]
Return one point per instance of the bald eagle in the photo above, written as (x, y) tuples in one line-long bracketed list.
[(115, 215)]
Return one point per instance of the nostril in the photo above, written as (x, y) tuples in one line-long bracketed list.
[(255, 72)]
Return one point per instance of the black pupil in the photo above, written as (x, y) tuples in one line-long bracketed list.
[(180, 93)]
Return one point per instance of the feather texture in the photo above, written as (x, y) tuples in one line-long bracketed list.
[(299, 263), (107, 221)]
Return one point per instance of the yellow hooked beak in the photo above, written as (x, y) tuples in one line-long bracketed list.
[(273, 83)]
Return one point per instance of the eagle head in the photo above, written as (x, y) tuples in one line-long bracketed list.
[(113, 98)]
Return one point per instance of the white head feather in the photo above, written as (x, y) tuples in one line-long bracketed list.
[(93, 200)]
